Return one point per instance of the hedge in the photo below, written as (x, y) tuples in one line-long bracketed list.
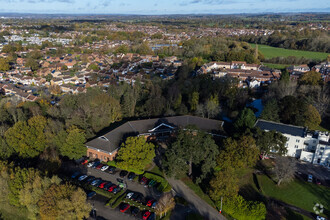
[(116, 200), (164, 186)]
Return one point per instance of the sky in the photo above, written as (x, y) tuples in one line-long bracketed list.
[(158, 7)]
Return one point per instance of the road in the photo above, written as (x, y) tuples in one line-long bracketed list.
[(98, 202), (196, 202)]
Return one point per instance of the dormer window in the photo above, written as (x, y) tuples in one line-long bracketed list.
[(104, 138)]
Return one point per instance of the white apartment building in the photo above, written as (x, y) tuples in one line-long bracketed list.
[(313, 147)]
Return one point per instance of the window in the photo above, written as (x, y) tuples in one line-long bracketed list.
[(96, 156), (297, 141), (320, 153), (321, 148), (286, 144), (318, 160), (90, 154), (295, 146)]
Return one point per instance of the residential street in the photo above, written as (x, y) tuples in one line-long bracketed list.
[(198, 204)]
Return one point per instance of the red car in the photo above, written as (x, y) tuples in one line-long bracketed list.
[(99, 166), (84, 162), (112, 188), (146, 215), (102, 185), (144, 181), (123, 207), (150, 202)]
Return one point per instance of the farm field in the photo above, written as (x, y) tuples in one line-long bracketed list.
[(270, 52)]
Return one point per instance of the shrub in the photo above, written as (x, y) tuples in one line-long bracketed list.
[(116, 200), (239, 208), (164, 186)]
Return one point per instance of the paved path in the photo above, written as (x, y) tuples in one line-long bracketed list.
[(198, 204)]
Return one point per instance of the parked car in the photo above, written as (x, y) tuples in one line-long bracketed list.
[(123, 173), (96, 163), (112, 187), (146, 215), (81, 178), (318, 181), (111, 170), (84, 162), (129, 195), (90, 164), (98, 183), (144, 180), (310, 178), (116, 190), (90, 194), (107, 186), (150, 202), (104, 168), (90, 179), (152, 183), (320, 218), (131, 176), (94, 182), (76, 174), (135, 211), (99, 166), (103, 184), (123, 207), (154, 204)]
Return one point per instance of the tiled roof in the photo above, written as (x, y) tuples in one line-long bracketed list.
[(283, 128), (133, 128)]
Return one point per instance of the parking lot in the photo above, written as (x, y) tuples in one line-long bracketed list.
[(319, 172), (99, 202)]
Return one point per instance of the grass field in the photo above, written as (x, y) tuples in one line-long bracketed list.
[(276, 66), (298, 193), (270, 52)]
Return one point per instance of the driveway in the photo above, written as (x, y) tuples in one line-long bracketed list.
[(319, 172), (98, 203), (196, 202)]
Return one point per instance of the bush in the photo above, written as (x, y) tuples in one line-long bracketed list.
[(116, 200), (164, 186), (239, 209)]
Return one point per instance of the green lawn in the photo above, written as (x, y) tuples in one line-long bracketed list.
[(298, 193), (270, 52), (276, 66)]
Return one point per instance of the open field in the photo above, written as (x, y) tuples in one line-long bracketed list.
[(270, 52), (298, 193)]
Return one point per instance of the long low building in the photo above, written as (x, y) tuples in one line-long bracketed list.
[(313, 147), (106, 146)]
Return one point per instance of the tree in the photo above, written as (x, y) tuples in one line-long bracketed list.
[(284, 169), (193, 101), (192, 148), (27, 138), (32, 192), (74, 147), (165, 204), (224, 184), (65, 202), (238, 154), (270, 141), (212, 106), (312, 78), (4, 64), (270, 111), (246, 119), (312, 118), (33, 64), (135, 153)]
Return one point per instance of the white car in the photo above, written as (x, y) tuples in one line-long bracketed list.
[(104, 167), (320, 218), (90, 164), (129, 195), (81, 178), (310, 178), (95, 182)]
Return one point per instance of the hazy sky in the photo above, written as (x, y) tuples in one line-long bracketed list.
[(163, 6)]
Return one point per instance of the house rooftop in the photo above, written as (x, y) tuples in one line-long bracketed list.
[(283, 128), (110, 141)]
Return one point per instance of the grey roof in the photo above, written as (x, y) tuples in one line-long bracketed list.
[(283, 128), (133, 128)]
